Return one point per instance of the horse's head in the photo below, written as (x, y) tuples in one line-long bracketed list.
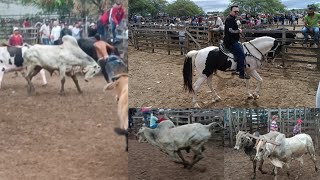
[(258, 48), (264, 44)]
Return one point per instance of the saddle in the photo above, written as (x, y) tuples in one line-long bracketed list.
[(227, 52)]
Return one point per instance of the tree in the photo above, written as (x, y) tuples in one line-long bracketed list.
[(184, 8), (254, 7), (62, 7), (146, 7)]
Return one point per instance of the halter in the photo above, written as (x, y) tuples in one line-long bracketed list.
[(250, 54)]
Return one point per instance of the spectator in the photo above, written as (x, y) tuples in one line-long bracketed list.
[(311, 26), (274, 125), (76, 31), (92, 31), (153, 121), (161, 116), (26, 23), (16, 38), (145, 111), (65, 31), (297, 127), (217, 24), (117, 14), (45, 33), (55, 33)]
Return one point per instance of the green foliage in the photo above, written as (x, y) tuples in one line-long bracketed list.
[(146, 7), (254, 7), (316, 6), (61, 6), (184, 8)]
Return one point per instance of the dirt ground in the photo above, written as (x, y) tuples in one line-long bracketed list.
[(48, 136), (156, 80), (148, 162), (237, 165)]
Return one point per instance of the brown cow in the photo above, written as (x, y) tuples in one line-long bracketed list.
[(120, 85)]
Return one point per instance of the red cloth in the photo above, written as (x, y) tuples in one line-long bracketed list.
[(161, 119), (26, 24), (117, 14), (16, 40)]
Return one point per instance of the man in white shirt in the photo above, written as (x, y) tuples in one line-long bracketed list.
[(217, 24), (55, 33), (76, 31), (45, 33)]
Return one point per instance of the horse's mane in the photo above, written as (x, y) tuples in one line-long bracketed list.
[(258, 38)]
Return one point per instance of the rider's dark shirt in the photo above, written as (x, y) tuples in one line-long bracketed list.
[(230, 38)]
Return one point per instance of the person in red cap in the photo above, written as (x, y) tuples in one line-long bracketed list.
[(297, 127)]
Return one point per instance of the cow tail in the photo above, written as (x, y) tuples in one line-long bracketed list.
[(187, 71)]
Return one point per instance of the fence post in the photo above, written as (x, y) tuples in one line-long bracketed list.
[(230, 126), (284, 46), (318, 58)]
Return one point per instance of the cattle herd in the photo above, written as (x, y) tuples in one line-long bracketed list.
[(70, 58)]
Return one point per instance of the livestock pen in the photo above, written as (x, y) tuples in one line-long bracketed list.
[(290, 80), (251, 120), (142, 156)]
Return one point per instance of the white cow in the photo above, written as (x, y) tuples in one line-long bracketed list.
[(62, 58), (11, 59), (187, 137), (286, 150)]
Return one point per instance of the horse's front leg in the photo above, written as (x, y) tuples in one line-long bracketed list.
[(196, 88), (256, 76), (250, 96), (215, 96)]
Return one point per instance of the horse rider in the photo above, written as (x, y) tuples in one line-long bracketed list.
[(101, 49), (231, 40)]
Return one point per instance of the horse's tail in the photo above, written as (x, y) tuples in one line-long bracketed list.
[(187, 71)]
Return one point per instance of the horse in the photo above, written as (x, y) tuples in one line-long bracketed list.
[(210, 59)]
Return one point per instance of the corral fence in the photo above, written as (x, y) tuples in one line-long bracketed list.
[(252, 120), (31, 34), (182, 117), (160, 37)]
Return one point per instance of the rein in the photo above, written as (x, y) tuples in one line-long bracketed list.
[(250, 54)]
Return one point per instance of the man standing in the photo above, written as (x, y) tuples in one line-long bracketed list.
[(101, 49), (16, 38), (55, 33), (231, 40), (116, 15), (76, 31), (311, 25), (45, 33), (65, 31)]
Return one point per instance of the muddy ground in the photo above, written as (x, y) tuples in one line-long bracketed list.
[(156, 80), (237, 165), (148, 162), (53, 137)]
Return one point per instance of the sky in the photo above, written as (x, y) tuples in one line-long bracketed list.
[(221, 5)]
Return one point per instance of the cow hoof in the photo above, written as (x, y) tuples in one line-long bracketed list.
[(250, 96), (45, 85), (255, 96), (218, 99), (80, 92)]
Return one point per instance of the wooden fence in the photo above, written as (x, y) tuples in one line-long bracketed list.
[(251, 120), (167, 38), (181, 117)]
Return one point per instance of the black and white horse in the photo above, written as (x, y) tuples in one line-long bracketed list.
[(208, 60)]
